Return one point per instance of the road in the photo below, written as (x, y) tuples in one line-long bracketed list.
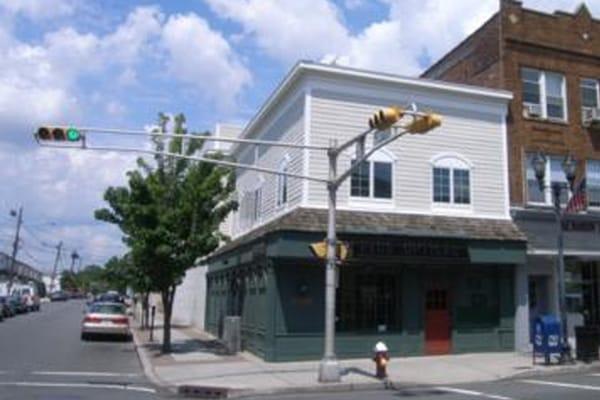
[(43, 358), (581, 386)]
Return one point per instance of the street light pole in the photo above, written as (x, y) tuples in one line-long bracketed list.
[(13, 258), (329, 370)]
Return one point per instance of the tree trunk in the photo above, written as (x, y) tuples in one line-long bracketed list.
[(145, 310), (167, 299)]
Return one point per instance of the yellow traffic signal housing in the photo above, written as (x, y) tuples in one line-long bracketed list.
[(385, 118), (58, 134), (319, 250), (425, 123)]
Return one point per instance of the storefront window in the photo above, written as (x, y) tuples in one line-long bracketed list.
[(368, 302), (581, 291)]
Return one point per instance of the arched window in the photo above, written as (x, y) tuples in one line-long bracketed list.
[(451, 180), (374, 177)]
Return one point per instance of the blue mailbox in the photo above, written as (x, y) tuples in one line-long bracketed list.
[(546, 337)]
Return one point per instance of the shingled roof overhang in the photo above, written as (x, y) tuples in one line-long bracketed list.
[(380, 223)]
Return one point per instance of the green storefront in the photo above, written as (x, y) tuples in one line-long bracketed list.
[(422, 284)]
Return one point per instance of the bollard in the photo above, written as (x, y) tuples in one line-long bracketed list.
[(381, 358), (152, 323)]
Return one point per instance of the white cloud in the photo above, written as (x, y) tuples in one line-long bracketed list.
[(288, 31), (39, 9), (202, 58)]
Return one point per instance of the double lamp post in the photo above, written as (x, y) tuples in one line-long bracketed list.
[(569, 167)]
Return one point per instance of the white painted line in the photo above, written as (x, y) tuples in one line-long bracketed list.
[(594, 375), (78, 373), (562, 384), (79, 385), (472, 393)]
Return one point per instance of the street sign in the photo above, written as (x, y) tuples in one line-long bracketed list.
[(319, 250)]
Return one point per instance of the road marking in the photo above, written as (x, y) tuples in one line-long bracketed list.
[(472, 393), (80, 385), (78, 373), (562, 384)]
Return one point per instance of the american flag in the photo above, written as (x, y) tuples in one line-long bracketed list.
[(578, 201)]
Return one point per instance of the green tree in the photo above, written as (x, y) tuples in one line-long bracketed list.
[(170, 213)]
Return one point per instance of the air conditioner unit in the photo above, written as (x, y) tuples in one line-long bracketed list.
[(591, 117), (532, 110)]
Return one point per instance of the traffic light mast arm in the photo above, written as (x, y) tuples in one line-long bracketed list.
[(132, 132), (224, 163)]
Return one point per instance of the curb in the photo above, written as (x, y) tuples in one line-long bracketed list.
[(555, 369), (147, 367)]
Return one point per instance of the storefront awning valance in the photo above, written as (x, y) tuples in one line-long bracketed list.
[(497, 253)]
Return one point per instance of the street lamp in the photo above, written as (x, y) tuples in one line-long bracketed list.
[(569, 167)]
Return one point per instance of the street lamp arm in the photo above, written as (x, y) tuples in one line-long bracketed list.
[(352, 141), (368, 154)]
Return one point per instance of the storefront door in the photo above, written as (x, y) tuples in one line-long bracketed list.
[(437, 321)]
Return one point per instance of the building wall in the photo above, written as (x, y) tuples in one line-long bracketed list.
[(471, 129), (190, 298), (287, 126), (551, 42)]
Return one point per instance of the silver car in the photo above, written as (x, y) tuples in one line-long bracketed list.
[(105, 319)]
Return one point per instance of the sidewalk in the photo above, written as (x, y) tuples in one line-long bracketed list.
[(199, 367)]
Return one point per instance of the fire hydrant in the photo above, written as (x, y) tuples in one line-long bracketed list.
[(381, 358)]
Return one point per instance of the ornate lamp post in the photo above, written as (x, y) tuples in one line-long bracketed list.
[(569, 167)]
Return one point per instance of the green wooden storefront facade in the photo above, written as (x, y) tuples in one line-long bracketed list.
[(277, 287)]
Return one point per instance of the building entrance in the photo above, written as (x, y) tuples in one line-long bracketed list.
[(437, 321)]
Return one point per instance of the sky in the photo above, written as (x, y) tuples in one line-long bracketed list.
[(117, 63)]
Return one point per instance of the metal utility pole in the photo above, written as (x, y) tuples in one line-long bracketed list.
[(53, 277), (13, 259)]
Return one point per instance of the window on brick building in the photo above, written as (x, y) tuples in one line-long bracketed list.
[(544, 94), (593, 182), (554, 175)]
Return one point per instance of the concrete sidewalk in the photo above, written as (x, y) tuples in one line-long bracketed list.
[(200, 367)]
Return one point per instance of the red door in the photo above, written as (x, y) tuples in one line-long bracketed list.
[(437, 322)]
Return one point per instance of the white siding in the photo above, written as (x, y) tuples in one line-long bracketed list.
[(341, 109), (287, 126)]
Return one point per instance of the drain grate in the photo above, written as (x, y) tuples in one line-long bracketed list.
[(203, 392)]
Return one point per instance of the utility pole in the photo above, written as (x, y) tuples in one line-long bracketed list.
[(53, 277), (13, 260)]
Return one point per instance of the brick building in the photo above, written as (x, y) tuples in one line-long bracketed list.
[(551, 63)]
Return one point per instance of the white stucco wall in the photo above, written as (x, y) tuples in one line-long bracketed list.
[(190, 299)]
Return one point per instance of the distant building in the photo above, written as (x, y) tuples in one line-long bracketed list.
[(24, 273), (551, 63)]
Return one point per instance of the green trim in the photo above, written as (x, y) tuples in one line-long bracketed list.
[(497, 252)]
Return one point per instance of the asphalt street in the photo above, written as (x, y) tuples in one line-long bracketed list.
[(43, 358), (580, 386)]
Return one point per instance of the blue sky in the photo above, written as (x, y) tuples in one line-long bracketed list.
[(117, 63)]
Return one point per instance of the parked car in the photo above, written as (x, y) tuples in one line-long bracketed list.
[(110, 297), (8, 308), (29, 297), (19, 304), (58, 296), (105, 318)]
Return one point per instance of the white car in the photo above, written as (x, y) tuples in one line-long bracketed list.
[(105, 319)]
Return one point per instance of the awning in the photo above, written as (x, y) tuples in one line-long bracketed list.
[(497, 252)]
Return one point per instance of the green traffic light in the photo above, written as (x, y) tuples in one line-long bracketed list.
[(73, 135)]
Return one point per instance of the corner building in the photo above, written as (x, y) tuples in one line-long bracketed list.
[(551, 63), (433, 250)]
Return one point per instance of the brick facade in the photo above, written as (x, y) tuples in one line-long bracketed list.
[(516, 37)]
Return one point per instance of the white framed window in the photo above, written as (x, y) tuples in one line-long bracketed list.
[(590, 98), (592, 182), (544, 94), (282, 182), (451, 181), (554, 175), (373, 179)]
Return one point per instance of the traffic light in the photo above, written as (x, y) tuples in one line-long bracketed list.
[(424, 123), (386, 117), (319, 250), (59, 134)]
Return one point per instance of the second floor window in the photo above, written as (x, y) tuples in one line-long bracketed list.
[(554, 175), (372, 179), (451, 185), (282, 183), (593, 183), (590, 98), (544, 94)]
